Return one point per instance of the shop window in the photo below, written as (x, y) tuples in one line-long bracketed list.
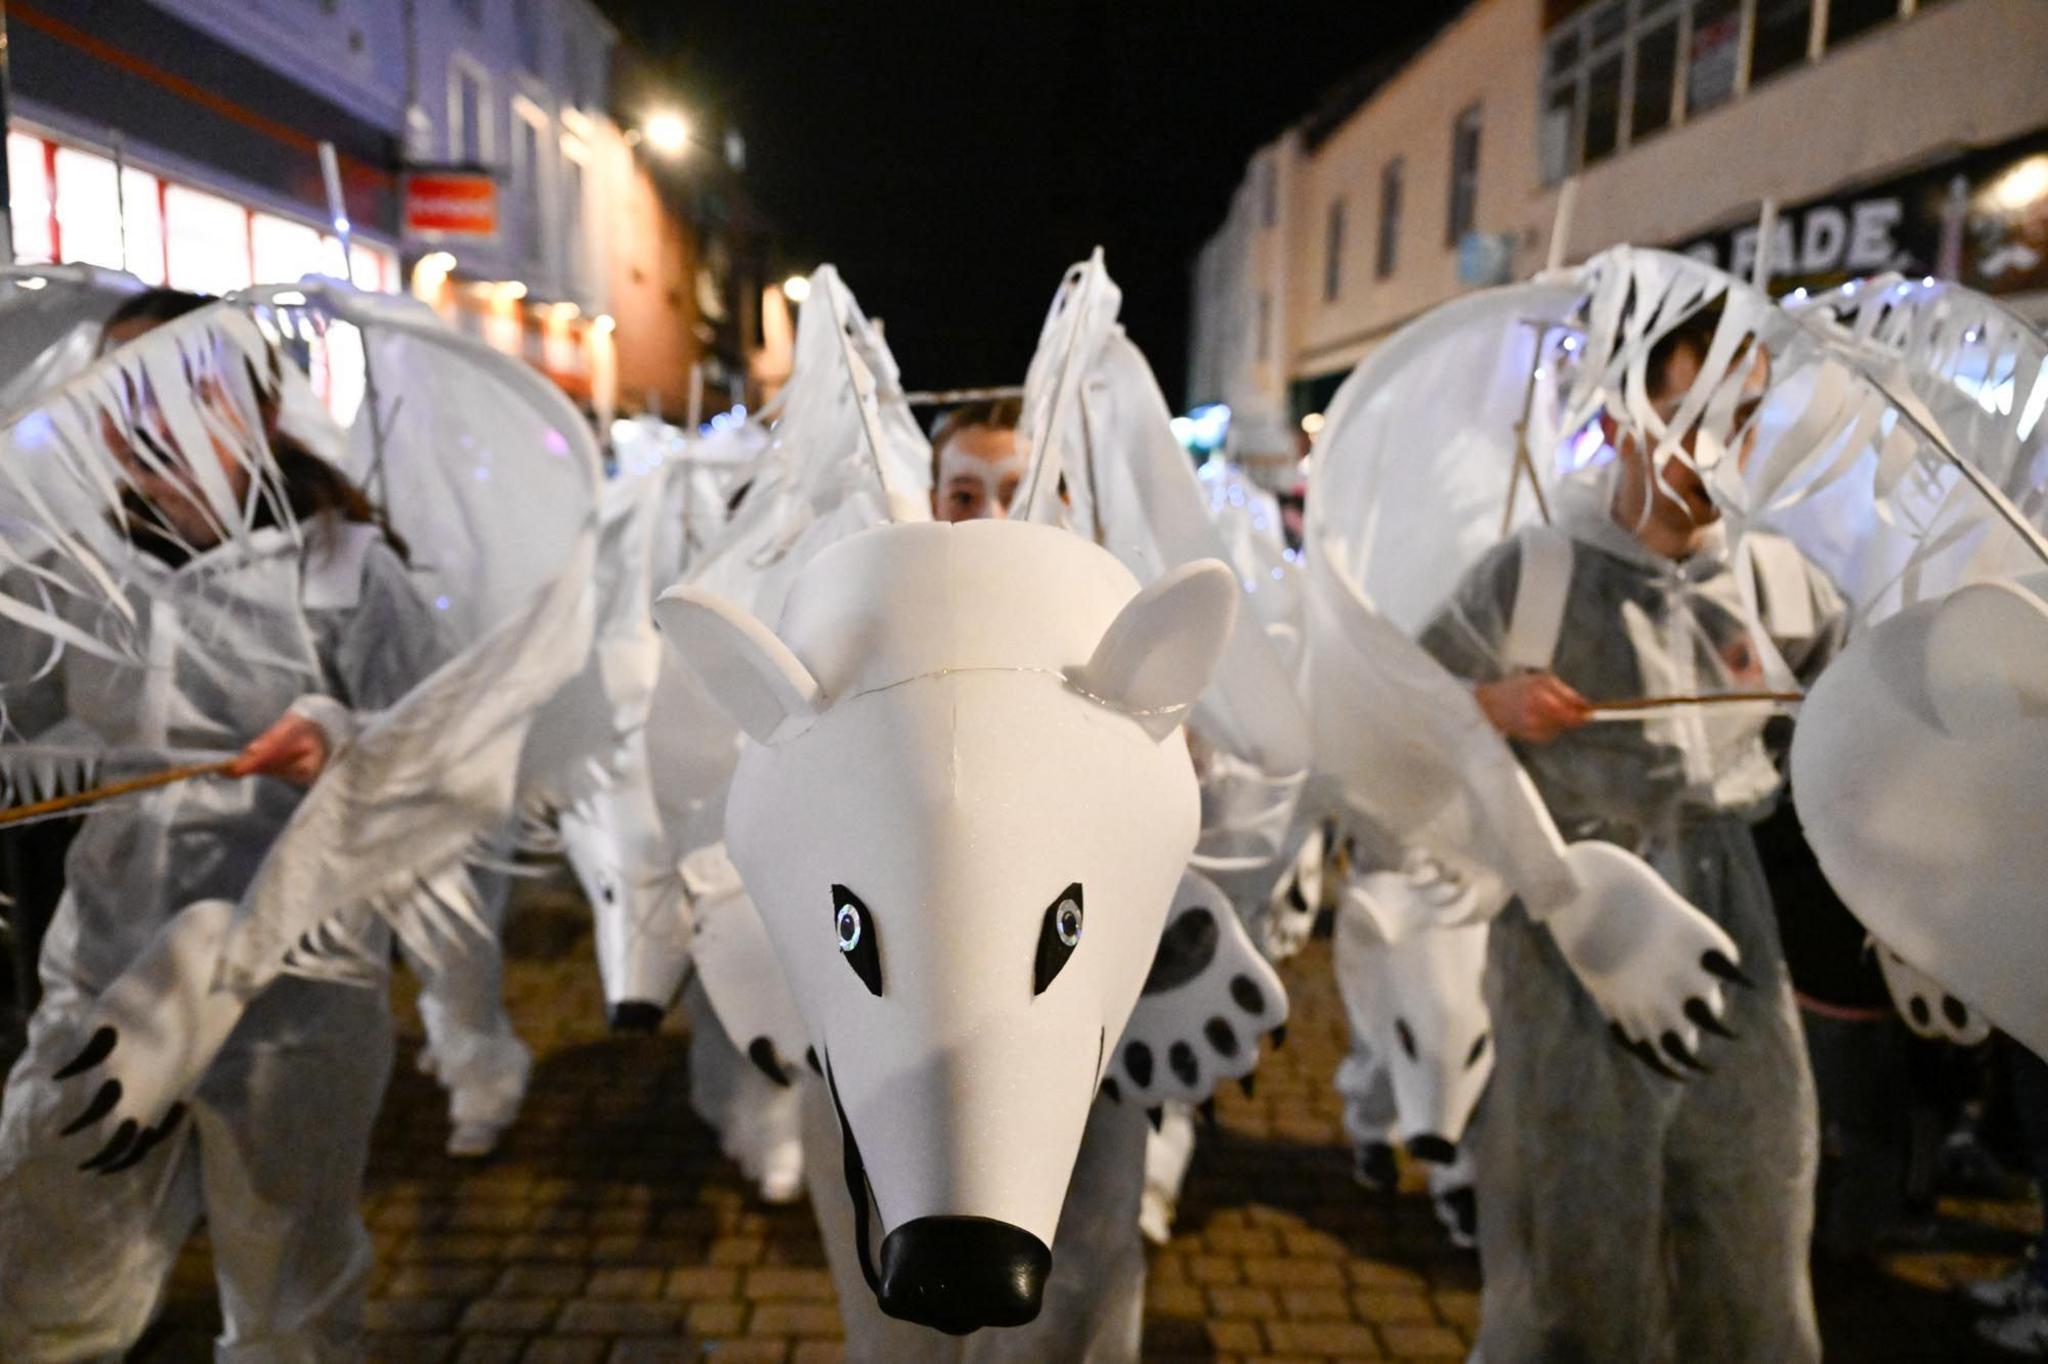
[(1656, 73), (1716, 56), (1463, 208), (1848, 18), (28, 176), (1784, 28), (1603, 110), (1333, 252), (283, 251), (88, 208), (374, 267), (143, 212), (1390, 220), (207, 241)]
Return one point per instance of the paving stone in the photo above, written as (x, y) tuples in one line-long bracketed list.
[(610, 1230)]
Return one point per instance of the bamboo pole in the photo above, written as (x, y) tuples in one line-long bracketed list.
[(57, 805)]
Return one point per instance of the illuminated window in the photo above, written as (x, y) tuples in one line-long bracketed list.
[(142, 206), (207, 239), (29, 178), (88, 208), (285, 251)]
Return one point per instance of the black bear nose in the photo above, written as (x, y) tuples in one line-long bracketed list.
[(635, 1015), (959, 1274), (1432, 1148)]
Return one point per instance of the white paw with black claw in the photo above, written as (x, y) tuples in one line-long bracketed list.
[(1209, 999), (148, 1041), (1652, 961)]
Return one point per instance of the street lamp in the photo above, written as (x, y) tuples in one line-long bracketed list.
[(797, 288), (667, 133)]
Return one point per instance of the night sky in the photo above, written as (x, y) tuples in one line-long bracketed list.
[(952, 159)]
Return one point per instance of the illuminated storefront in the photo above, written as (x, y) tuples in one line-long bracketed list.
[(71, 204)]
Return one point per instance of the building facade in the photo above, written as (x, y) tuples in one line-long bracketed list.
[(1890, 134), (179, 139)]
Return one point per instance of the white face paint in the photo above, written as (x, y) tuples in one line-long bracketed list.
[(991, 482), (963, 819)]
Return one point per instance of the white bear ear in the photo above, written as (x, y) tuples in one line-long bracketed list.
[(747, 670), (1156, 656), (1987, 659)]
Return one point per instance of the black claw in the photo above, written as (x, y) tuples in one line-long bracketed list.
[(1155, 1115), (1642, 1051), (761, 1052), (1278, 1036), (1111, 1090), (96, 1050), (1703, 1018), (1245, 1083), (1647, 1054), (1207, 1108), (1715, 963), (144, 1144), (1674, 1047), (124, 1136), (101, 1105)]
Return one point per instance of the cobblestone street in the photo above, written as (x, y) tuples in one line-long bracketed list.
[(609, 1229)]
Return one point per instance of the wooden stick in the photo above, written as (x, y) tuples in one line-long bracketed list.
[(1706, 699), (75, 800)]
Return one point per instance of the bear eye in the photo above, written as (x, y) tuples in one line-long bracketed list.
[(1058, 935), (854, 928)]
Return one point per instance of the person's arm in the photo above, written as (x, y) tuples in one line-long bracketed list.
[(1467, 637), (371, 653)]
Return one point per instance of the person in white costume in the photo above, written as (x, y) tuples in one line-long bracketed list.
[(977, 461), (1621, 1212), (276, 1137)]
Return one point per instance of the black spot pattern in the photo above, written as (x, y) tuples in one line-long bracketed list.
[(1248, 995), (1180, 1058), (1138, 1062), (1221, 1036), (1185, 950)]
